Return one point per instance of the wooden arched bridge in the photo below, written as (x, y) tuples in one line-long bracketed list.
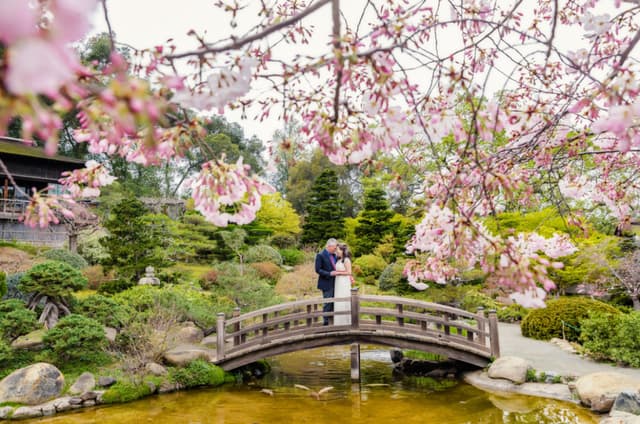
[(381, 320)]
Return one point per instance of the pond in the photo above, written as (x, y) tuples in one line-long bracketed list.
[(379, 398)]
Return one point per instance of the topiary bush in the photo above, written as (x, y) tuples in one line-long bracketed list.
[(16, 320), (76, 339), (392, 278), (370, 266), (66, 256), (3, 284), (292, 257), (54, 282), (546, 323), (103, 309), (612, 337), (262, 253), (197, 373), (115, 286)]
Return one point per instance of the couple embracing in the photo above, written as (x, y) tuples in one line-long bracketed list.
[(333, 266)]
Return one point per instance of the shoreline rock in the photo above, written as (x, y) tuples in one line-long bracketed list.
[(481, 380)]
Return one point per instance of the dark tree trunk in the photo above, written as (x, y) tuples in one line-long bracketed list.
[(73, 242), (636, 302)]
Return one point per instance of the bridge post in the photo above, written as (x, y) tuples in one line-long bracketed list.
[(220, 336), (493, 333), (355, 308), (236, 326), (481, 327)]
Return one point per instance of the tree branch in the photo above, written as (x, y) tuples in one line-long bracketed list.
[(236, 44)]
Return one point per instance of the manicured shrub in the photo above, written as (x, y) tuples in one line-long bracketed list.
[(103, 309), (3, 284), (198, 373), (292, 257), (115, 286), (53, 279), (16, 320), (66, 256), (370, 265), (612, 336), (268, 271), (392, 278), (76, 339), (247, 289), (546, 323), (512, 313), (282, 241), (262, 253)]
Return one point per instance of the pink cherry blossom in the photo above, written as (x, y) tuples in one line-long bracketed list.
[(18, 19)]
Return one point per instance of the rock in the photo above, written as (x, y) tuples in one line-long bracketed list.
[(106, 381), (167, 387), (185, 335), (111, 334), (155, 369), (599, 390), (47, 409), (31, 341), (396, 355), (5, 411), (32, 385), (621, 418), (510, 368), (210, 341), (88, 396), (563, 344), (62, 404), (628, 402), (184, 354), (26, 412), (152, 387), (86, 382), (89, 403), (75, 401)]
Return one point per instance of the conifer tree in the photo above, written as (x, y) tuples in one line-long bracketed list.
[(132, 244), (374, 222), (325, 210)]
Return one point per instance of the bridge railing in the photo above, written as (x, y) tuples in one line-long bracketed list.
[(375, 314)]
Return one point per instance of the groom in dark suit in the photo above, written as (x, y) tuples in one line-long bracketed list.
[(326, 270)]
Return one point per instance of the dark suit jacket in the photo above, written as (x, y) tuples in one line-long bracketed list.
[(323, 269)]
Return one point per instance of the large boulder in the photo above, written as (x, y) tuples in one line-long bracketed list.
[(32, 385), (510, 368), (110, 333), (186, 353), (628, 402), (599, 390), (85, 383), (621, 418), (189, 334), (31, 341)]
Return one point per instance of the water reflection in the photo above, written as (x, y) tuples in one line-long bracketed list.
[(379, 398)]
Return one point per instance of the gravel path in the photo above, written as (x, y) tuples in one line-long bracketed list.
[(546, 356)]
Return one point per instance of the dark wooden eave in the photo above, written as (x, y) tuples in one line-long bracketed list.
[(32, 164)]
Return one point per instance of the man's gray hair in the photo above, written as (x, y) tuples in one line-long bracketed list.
[(332, 242)]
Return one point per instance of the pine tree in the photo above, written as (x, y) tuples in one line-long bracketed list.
[(132, 244), (374, 222), (325, 210)]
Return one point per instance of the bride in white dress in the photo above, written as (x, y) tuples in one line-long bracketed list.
[(343, 285)]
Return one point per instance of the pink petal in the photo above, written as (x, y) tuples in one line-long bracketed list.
[(17, 20)]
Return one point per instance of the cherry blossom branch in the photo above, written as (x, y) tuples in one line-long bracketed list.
[(236, 44)]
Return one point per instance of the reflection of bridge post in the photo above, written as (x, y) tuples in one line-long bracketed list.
[(355, 323)]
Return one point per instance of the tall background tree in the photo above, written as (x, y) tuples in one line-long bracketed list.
[(325, 216)]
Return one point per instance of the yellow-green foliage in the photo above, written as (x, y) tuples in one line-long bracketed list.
[(613, 336), (370, 266), (546, 323), (278, 215), (198, 373), (126, 392)]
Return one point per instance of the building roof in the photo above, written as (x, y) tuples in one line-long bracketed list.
[(18, 147)]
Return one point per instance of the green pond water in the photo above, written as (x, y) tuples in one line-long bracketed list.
[(379, 398)]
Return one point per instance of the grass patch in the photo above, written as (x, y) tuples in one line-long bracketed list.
[(126, 391), (190, 271), (25, 247)]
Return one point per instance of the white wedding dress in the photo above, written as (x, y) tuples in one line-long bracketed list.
[(342, 289)]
